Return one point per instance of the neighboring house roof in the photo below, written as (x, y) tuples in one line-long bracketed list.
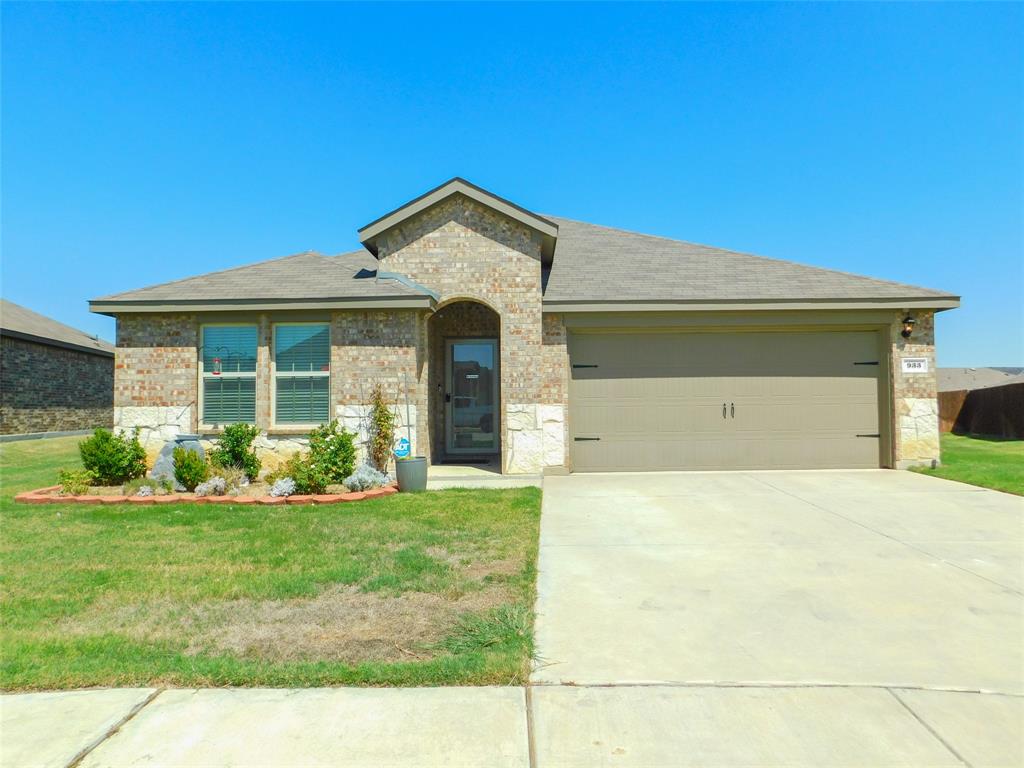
[(305, 280), (601, 265), (20, 322), (457, 186), (955, 379), (593, 268)]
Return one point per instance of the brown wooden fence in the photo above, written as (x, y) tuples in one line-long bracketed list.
[(995, 411)]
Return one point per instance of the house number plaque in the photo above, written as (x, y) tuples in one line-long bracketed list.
[(915, 365)]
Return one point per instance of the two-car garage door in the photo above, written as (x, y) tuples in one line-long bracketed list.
[(724, 400)]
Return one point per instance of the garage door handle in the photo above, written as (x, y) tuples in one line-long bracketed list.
[(874, 434), (585, 439), (732, 409)]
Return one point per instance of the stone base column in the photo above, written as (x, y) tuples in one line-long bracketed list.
[(534, 437)]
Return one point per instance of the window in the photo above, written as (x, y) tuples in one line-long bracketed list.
[(229, 374), (302, 380)]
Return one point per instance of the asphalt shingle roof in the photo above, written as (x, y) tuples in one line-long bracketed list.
[(302, 276), (24, 322), (955, 379), (591, 264), (595, 263)]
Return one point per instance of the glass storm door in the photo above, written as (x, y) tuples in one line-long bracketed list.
[(471, 396)]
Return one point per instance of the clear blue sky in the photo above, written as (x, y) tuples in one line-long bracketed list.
[(144, 143)]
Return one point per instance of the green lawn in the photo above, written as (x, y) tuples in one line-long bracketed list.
[(410, 589), (990, 463)]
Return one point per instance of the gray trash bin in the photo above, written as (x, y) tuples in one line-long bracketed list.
[(412, 473)]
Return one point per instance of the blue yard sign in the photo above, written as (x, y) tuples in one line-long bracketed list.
[(402, 448)]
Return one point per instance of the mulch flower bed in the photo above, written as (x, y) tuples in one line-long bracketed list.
[(51, 495)]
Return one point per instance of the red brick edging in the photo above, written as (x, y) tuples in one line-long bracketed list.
[(47, 496)]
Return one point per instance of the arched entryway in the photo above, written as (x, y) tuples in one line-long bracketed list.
[(464, 383)]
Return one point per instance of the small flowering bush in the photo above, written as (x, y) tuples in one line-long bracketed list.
[(365, 478), (332, 453), (283, 487), (215, 486)]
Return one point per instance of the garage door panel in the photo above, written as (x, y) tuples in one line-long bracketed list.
[(792, 400)]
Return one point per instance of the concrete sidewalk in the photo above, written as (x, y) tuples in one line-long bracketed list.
[(566, 726)]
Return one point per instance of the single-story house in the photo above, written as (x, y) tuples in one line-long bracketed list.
[(546, 343), (53, 378)]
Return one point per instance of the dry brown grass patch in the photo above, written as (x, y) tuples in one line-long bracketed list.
[(340, 624)]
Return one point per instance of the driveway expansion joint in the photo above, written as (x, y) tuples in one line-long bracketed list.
[(77, 759), (531, 734), (929, 728)]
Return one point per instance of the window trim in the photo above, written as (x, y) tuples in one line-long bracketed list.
[(298, 374), (200, 400)]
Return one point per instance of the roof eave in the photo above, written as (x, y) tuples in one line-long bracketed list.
[(937, 303), (56, 343), (113, 308), (548, 229)]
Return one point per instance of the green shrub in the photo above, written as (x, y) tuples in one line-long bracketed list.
[(234, 449), (309, 476), (333, 452), (190, 469), (382, 429), (74, 481), (113, 459)]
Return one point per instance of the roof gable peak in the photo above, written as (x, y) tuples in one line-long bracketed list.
[(458, 186)]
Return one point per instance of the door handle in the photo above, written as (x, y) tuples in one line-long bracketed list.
[(732, 409), (723, 410), (447, 397)]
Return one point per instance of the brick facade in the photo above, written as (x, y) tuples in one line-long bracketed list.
[(44, 388), (485, 269), (379, 347), (156, 360), (464, 250)]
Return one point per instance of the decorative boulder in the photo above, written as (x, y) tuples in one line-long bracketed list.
[(163, 467)]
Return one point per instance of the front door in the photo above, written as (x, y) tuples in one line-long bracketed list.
[(471, 396)]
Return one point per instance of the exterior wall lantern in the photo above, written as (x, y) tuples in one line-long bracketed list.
[(908, 326)]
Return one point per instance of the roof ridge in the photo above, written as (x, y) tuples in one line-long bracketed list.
[(773, 259)]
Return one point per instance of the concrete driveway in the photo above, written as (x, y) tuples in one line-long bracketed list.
[(821, 610), (730, 619)]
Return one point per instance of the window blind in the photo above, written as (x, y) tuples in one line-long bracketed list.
[(229, 374), (227, 401), (302, 360), (234, 345)]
